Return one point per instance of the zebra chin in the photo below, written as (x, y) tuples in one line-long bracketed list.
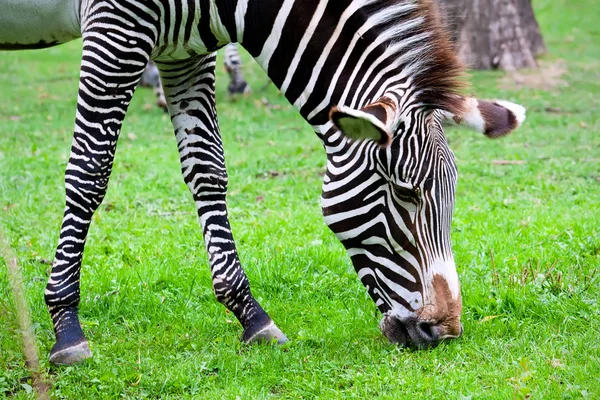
[(413, 332)]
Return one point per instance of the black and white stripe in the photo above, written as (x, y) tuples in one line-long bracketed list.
[(233, 66), (375, 79)]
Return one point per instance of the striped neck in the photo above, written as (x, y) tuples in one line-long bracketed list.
[(324, 53)]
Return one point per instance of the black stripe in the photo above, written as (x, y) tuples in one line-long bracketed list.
[(227, 15), (167, 20), (334, 57), (30, 46), (190, 20), (293, 30), (178, 18), (324, 30), (260, 16), (208, 38)]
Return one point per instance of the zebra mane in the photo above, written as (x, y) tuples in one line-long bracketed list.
[(429, 59)]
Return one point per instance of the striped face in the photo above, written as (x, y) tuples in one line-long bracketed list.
[(375, 78), (391, 207)]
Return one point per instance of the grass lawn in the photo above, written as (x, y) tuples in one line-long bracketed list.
[(526, 239)]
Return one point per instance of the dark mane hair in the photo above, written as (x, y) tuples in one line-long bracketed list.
[(444, 77), (439, 75)]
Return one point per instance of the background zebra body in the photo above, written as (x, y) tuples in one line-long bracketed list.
[(384, 80)]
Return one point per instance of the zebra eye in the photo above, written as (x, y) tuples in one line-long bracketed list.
[(406, 193)]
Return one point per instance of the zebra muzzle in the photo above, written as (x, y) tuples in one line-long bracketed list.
[(415, 332), (395, 331)]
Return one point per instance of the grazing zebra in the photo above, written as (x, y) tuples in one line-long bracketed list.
[(374, 78), (233, 66)]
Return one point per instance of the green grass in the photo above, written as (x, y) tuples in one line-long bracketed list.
[(526, 241)]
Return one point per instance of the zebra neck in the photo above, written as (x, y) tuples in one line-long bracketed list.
[(35, 24), (319, 59)]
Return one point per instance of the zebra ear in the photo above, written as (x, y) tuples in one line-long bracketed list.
[(492, 118), (368, 123)]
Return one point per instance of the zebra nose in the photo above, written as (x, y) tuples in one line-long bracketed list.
[(428, 331), (433, 333)]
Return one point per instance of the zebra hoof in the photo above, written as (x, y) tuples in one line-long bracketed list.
[(70, 355), (239, 88), (269, 334), (162, 103)]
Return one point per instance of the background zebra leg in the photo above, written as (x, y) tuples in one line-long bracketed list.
[(189, 88), (233, 65), (105, 90), (151, 78)]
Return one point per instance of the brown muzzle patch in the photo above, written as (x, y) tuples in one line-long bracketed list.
[(445, 310)]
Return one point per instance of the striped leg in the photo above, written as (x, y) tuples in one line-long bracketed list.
[(107, 83), (189, 88), (151, 78), (233, 65)]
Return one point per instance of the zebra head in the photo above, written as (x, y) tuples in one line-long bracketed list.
[(388, 195)]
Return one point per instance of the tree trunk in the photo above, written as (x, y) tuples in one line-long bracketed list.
[(495, 34)]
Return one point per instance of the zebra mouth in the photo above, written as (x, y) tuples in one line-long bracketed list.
[(395, 331), (415, 333)]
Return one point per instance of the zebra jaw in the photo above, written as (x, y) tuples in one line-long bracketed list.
[(394, 330)]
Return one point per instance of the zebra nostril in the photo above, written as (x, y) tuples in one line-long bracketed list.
[(428, 331)]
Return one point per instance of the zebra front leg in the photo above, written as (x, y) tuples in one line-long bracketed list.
[(189, 88), (110, 69)]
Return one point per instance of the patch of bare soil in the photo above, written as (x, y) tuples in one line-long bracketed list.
[(546, 77)]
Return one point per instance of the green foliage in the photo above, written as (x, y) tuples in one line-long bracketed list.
[(526, 239)]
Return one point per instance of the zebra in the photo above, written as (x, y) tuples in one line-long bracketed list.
[(233, 66), (375, 79)]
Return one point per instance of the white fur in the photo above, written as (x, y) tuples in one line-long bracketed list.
[(472, 117), (516, 109)]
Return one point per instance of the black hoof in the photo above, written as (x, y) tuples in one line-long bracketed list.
[(268, 334), (238, 88), (71, 346), (70, 355)]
